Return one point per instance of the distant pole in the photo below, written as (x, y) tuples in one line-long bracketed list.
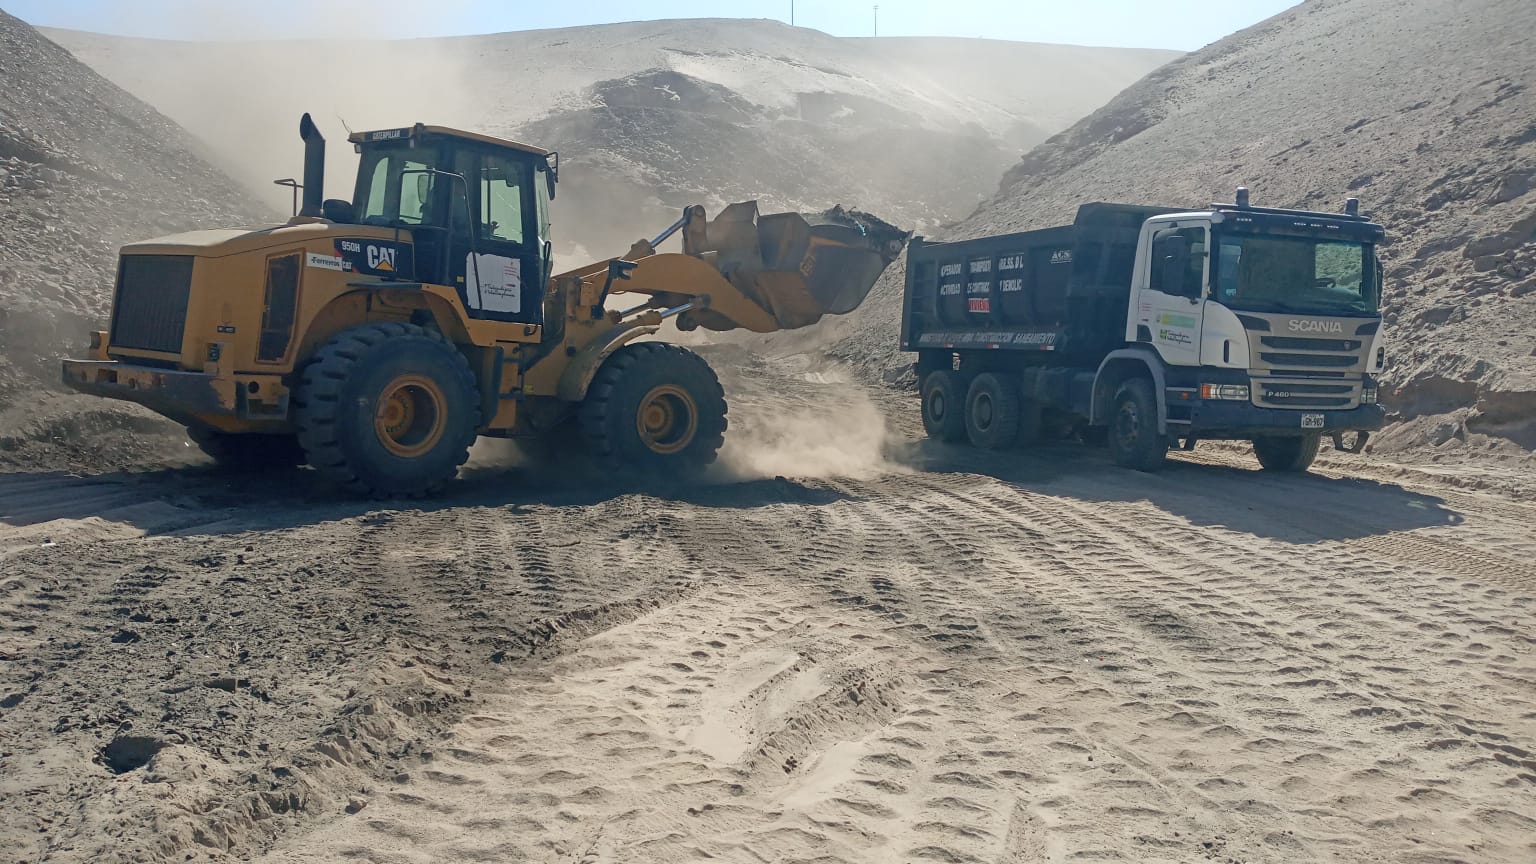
[(877, 19), (791, 13)]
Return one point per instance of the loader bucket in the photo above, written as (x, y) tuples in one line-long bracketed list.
[(799, 267)]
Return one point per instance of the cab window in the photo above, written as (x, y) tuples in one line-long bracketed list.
[(392, 187), (503, 187)]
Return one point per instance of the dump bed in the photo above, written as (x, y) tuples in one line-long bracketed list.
[(1061, 290)]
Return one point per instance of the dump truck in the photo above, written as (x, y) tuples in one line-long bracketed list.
[(1152, 328), (375, 338)]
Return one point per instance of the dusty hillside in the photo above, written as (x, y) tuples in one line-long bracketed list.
[(651, 116), (1428, 117), (84, 167)]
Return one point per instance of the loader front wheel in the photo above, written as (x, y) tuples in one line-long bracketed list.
[(654, 409), (248, 453), (388, 409)]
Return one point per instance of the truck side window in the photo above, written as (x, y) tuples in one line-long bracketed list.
[(1192, 277)]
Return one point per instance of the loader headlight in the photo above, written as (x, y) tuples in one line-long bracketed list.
[(1235, 392)]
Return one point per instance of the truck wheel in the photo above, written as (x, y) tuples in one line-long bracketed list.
[(388, 409), (1291, 454), (943, 406), (654, 409), (992, 411), (1134, 441), (248, 453)]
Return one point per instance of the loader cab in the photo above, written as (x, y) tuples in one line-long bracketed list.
[(476, 210)]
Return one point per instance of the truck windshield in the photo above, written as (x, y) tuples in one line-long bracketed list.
[(1268, 273)]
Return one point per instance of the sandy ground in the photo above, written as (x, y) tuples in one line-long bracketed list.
[(897, 652)]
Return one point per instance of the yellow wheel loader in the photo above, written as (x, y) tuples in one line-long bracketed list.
[(375, 338)]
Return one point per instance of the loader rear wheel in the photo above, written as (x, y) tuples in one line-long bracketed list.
[(992, 411), (388, 409), (943, 406), (248, 453), (1287, 454), (654, 409)]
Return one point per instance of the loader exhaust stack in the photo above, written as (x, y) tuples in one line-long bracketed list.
[(314, 168)]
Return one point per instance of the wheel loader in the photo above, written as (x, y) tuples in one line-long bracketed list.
[(375, 338)]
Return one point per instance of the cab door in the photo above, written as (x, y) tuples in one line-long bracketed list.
[(497, 263), (1171, 308)]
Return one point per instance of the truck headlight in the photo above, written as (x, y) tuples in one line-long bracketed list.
[(1368, 394), (1235, 392)]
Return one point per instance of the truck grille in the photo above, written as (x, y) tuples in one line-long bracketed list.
[(150, 310), (1291, 393)]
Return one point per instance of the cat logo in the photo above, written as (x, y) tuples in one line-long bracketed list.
[(381, 258)]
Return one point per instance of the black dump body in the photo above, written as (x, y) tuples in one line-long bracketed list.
[(1060, 293)]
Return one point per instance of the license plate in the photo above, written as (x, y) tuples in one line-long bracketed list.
[(1312, 421)]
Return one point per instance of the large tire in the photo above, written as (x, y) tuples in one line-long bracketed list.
[(943, 406), (388, 410), (248, 453), (1134, 441), (654, 410), (992, 411), (1289, 454)]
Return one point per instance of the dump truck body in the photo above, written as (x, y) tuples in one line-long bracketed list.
[(1266, 328)]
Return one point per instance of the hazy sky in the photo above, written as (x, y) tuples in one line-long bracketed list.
[(1179, 24)]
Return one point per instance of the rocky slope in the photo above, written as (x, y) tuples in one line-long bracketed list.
[(84, 167), (651, 116), (1428, 117)]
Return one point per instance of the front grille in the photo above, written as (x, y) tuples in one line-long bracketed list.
[(1297, 343), (1275, 393), (1306, 373), (150, 311), (1277, 359)]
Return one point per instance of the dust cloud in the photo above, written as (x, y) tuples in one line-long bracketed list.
[(245, 100), (817, 424)]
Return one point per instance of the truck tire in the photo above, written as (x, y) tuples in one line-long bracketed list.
[(1289, 454), (1134, 441), (654, 410), (388, 409), (943, 406), (992, 411), (248, 453)]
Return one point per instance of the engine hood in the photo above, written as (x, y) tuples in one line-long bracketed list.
[(220, 242)]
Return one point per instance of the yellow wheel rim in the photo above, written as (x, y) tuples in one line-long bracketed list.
[(667, 419), (412, 413)]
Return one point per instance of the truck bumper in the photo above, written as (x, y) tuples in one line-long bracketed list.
[(185, 397), (1232, 419)]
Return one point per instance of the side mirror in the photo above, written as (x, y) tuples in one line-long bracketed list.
[(423, 186), (551, 173)]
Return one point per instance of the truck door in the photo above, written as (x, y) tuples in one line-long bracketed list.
[(500, 273), (1171, 308)]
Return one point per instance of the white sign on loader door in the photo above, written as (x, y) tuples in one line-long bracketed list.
[(495, 284)]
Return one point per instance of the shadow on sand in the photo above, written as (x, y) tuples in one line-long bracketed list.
[(1296, 508)]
